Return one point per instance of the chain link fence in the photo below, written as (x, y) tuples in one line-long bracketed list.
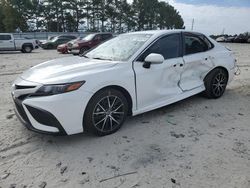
[(45, 35)]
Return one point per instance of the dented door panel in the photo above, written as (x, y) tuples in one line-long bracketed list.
[(159, 83), (195, 67)]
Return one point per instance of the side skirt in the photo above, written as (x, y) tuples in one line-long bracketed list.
[(177, 98)]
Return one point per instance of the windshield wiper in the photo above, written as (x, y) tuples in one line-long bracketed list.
[(99, 58)]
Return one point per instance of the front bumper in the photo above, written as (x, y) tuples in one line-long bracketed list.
[(41, 116), (60, 114), (73, 51), (62, 49)]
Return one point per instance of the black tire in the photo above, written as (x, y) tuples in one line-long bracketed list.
[(105, 112), (83, 50), (49, 47), (27, 49), (215, 83)]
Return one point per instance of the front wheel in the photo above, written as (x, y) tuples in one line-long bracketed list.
[(83, 50), (216, 83), (106, 112)]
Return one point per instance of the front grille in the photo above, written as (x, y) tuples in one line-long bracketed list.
[(70, 45), (24, 87)]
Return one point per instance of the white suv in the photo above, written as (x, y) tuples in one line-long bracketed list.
[(128, 75)]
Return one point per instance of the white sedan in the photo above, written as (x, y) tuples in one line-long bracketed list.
[(128, 75)]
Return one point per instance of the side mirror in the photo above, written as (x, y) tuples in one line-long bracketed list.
[(153, 58)]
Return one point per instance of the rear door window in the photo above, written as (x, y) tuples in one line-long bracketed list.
[(194, 44), (208, 42)]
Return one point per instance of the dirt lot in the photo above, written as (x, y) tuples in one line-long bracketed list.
[(193, 143)]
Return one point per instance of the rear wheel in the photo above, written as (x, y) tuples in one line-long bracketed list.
[(216, 83), (27, 49), (106, 112)]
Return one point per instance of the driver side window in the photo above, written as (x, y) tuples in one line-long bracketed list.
[(168, 47)]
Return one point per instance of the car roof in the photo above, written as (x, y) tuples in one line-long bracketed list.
[(163, 32), (66, 36), (103, 33)]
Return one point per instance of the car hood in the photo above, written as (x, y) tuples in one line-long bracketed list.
[(65, 70), (62, 45), (47, 42), (83, 41)]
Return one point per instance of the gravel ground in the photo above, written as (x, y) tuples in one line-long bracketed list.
[(193, 143)]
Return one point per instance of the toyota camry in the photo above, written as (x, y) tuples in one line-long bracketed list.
[(125, 76)]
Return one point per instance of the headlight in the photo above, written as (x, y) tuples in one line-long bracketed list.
[(59, 88)]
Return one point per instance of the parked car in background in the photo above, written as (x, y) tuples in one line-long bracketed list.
[(229, 39), (220, 39), (125, 76), (51, 37), (90, 41), (52, 44), (72, 37), (242, 38), (37, 44), (63, 48), (9, 43)]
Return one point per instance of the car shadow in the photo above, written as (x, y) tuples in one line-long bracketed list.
[(15, 52), (131, 121)]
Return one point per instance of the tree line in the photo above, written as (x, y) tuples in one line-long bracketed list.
[(116, 16)]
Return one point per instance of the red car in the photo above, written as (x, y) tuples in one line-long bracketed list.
[(63, 48), (90, 41)]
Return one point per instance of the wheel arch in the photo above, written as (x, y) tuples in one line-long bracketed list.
[(28, 44), (118, 88), (218, 67), (123, 91)]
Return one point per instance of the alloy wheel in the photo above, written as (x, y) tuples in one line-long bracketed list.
[(108, 113), (219, 84)]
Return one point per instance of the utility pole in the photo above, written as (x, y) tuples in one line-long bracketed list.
[(223, 31), (192, 28)]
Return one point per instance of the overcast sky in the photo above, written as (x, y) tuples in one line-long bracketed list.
[(212, 16)]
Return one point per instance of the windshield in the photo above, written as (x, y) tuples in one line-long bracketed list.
[(54, 39), (89, 37), (120, 48)]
